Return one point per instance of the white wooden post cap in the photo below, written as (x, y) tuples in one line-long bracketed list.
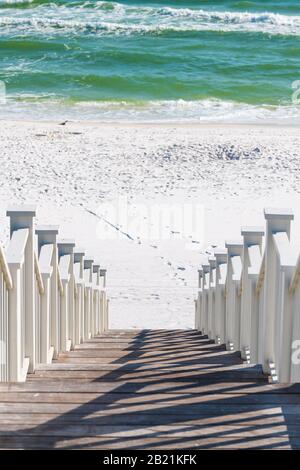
[(205, 267), (221, 255), (24, 211), (78, 254), (21, 217), (79, 251), (88, 262), (65, 247), (278, 220), (252, 230), (275, 213), (200, 276), (96, 267), (234, 247), (52, 229), (252, 235), (47, 233)]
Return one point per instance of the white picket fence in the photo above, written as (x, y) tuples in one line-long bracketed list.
[(249, 297), (52, 297)]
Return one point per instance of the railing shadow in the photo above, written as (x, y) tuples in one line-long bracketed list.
[(170, 389)]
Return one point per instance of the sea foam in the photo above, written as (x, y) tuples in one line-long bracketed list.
[(107, 18)]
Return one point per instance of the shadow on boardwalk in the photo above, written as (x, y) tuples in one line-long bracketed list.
[(151, 389)]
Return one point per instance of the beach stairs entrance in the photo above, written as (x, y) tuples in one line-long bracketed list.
[(67, 381), (150, 389)]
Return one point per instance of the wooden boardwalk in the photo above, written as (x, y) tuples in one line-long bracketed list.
[(150, 389)]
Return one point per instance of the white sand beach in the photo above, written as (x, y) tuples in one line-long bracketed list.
[(71, 170)]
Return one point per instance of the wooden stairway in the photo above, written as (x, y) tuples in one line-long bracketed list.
[(149, 389)]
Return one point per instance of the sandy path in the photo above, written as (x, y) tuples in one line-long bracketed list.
[(71, 170)]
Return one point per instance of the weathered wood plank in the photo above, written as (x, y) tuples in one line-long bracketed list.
[(137, 354), (98, 443), (106, 387), (181, 431), (148, 398), (212, 409), (256, 419), (139, 376)]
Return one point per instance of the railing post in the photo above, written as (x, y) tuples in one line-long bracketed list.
[(88, 308), (97, 301), (23, 218), (14, 338), (67, 323), (232, 295), (220, 303), (277, 220), (198, 313), (205, 288), (211, 297), (79, 303), (47, 235), (252, 237), (104, 302)]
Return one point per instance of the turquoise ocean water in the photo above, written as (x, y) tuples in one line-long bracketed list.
[(230, 60)]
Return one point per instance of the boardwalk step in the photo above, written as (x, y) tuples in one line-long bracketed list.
[(149, 390)]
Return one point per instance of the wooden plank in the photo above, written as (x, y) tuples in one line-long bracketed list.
[(124, 398), (132, 367), (121, 362), (180, 431), (225, 390), (153, 419), (138, 353), (105, 387), (138, 376), (98, 443), (195, 410), (149, 399), (158, 348)]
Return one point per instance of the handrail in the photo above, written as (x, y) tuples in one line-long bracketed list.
[(5, 270), (51, 303), (38, 275), (259, 313), (286, 251), (16, 248), (59, 283), (261, 275)]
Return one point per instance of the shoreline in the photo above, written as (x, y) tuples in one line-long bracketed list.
[(145, 124)]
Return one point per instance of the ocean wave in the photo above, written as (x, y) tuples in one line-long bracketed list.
[(228, 17), (4, 3), (206, 111), (112, 17), (56, 25)]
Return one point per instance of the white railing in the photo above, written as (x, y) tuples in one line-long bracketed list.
[(51, 296), (249, 297)]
